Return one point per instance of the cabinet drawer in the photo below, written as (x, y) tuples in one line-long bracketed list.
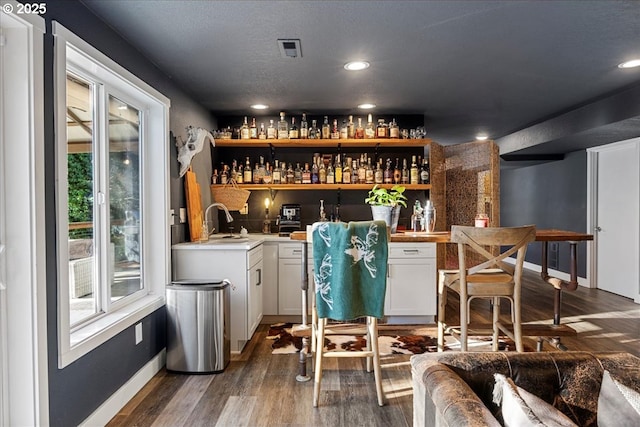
[(290, 250), (424, 250), (254, 256)]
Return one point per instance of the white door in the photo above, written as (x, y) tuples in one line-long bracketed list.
[(617, 218)]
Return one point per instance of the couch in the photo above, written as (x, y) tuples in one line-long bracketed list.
[(456, 389)]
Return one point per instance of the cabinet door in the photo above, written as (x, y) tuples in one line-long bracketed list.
[(270, 279), (411, 287), (289, 290), (255, 279)]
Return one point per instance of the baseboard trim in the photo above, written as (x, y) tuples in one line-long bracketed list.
[(116, 402), (555, 273)]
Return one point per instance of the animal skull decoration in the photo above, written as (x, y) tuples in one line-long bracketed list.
[(193, 145)]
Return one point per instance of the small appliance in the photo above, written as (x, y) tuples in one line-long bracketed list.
[(289, 219)]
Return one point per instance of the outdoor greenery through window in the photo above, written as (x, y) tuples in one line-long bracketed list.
[(104, 217)]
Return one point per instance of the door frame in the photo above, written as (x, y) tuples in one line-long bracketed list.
[(23, 219), (592, 205)]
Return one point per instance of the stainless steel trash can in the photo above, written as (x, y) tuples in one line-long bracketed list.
[(198, 326)]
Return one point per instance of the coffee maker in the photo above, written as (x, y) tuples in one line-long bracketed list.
[(289, 219)]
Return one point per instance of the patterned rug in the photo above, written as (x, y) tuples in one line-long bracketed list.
[(414, 340)]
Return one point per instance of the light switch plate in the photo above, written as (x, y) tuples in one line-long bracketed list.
[(245, 209), (138, 333), (183, 215)]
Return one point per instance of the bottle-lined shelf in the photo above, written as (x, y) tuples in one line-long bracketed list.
[(323, 143), (361, 187)]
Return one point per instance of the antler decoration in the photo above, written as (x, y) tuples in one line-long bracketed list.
[(193, 145)]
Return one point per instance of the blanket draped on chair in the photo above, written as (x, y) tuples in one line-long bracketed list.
[(350, 269)]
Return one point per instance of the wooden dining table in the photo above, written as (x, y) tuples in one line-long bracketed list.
[(549, 333)]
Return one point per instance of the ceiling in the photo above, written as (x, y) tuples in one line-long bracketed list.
[(539, 77)]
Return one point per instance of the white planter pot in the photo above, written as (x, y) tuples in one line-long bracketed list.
[(388, 214)]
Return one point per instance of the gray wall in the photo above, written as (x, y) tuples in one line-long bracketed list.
[(80, 388), (549, 195)]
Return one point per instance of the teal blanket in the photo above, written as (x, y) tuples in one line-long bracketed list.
[(350, 269)]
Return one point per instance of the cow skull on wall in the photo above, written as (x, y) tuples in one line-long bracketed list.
[(193, 145)]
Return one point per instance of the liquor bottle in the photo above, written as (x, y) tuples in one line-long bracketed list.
[(297, 174), (354, 171), (291, 175), (405, 172), (346, 172), (253, 129), (244, 130), (247, 172), (351, 128), (331, 176), (283, 127), (304, 127), (338, 170), (362, 171), (335, 131), (240, 174), (322, 172), (224, 176), (369, 173), (344, 130), (314, 132), (315, 172), (382, 131), (268, 175), (306, 174), (397, 173), (215, 178), (370, 129), (233, 174), (388, 173), (272, 133), (276, 175), (326, 128), (414, 174), (262, 133), (378, 176), (256, 174), (425, 174), (293, 130), (262, 169), (359, 129), (394, 130)]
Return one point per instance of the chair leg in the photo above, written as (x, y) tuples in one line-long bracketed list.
[(369, 346), (442, 302), (496, 317), (517, 326), (318, 371), (464, 323), (372, 326)]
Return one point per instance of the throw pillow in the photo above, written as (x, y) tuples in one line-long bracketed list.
[(618, 405), (522, 409)]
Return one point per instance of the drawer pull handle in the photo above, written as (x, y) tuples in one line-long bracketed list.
[(410, 251), (259, 270), (297, 251)]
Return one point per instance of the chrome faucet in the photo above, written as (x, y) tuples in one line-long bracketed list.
[(206, 215)]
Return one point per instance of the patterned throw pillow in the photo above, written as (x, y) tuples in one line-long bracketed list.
[(618, 405), (522, 409)]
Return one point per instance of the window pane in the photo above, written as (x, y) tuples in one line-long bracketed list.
[(80, 168), (124, 198)]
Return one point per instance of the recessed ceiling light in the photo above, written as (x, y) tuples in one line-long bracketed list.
[(259, 106), (367, 106), (630, 64), (482, 137), (356, 65)]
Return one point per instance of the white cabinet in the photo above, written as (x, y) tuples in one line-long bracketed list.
[(411, 280), (270, 278), (289, 279), (242, 265)]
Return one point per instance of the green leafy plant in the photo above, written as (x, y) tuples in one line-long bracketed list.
[(383, 197)]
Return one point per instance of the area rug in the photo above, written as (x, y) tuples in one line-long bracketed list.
[(391, 341)]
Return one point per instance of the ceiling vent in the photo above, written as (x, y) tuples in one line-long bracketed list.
[(290, 48)]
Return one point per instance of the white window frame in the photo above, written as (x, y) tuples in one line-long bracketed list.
[(154, 195)]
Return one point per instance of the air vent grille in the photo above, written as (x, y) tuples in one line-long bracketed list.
[(290, 48)]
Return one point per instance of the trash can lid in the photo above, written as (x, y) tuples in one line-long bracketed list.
[(194, 282)]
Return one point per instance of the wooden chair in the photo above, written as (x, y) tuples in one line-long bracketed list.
[(350, 284), (492, 278)]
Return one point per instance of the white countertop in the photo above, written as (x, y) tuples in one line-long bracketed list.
[(237, 242)]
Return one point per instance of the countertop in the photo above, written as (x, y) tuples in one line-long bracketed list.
[(221, 241)]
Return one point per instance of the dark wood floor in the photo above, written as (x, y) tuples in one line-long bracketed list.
[(259, 389)]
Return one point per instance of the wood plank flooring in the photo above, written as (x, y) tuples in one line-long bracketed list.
[(259, 389)]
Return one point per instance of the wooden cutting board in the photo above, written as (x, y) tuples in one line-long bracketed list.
[(194, 205)]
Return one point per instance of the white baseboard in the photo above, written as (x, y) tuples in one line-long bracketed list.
[(116, 402), (555, 273)]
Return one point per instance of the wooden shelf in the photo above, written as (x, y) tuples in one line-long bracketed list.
[(360, 187), (323, 143)]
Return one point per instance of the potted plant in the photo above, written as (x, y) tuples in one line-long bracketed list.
[(385, 204)]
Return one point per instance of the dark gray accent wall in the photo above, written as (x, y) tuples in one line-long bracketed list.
[(549, 195), (77, 390)]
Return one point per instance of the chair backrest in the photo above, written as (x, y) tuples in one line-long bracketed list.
[(515, 239), (350, 269)]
